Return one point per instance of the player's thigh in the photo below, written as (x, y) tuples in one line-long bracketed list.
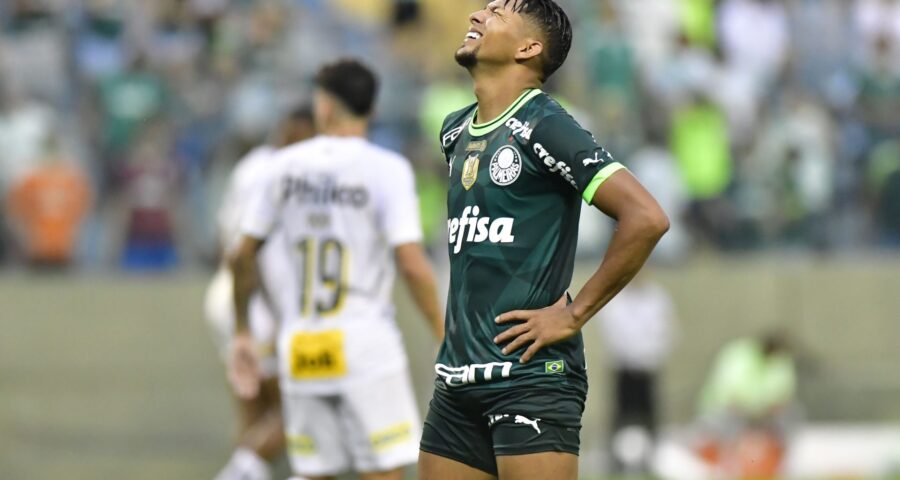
[(536, 431), (456, 441), (312, 428), (381, 422), (436, 467), (538, 466)]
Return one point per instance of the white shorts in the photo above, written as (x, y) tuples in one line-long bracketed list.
[(219, 310), (372, 426)]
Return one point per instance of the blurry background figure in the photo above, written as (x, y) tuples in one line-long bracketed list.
[(747, 406), (148, 198), (638, 327), (33, 48), (128, 101), (789, 173), (26, 128), (46, 208), (884, 185), (260, 436)]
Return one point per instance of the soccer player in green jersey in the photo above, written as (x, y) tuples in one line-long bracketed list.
[(511, 381)]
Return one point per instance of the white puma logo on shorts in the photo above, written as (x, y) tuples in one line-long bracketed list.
[(517, 420), (527, 421)]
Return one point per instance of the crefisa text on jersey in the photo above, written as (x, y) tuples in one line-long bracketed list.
[(556, 166), (477, 229), (325, 191)]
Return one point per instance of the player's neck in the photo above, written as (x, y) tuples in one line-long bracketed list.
[(497, 90), (347, 128)]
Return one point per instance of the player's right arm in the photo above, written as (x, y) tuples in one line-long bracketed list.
[(403, 231)]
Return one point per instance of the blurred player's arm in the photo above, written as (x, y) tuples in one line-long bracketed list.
[(243, 366), (245, 271), (257, 222), (416, 270)]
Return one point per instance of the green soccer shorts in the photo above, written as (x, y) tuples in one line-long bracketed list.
[(474, 425)]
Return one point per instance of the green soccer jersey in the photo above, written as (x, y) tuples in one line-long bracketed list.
[(515, 191)]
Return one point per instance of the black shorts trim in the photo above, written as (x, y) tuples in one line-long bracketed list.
[(532, 449)]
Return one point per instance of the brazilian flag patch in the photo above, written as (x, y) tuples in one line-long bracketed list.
[(556, 366)]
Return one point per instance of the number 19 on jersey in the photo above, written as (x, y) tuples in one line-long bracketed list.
[(323, 272)]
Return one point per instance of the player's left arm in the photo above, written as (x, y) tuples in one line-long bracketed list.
[(641, 223), (583, 165), (259, 220)]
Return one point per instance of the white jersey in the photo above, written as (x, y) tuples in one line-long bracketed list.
[(342, 205)]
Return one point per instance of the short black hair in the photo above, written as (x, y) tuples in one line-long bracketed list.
[(556, 27), (351, 82)]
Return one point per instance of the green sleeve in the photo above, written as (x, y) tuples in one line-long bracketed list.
[(569, 154)]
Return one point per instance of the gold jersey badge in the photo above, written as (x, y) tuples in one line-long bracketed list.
[(470, 171)]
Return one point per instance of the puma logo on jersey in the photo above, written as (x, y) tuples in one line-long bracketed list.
[(555, 166), (477, 229), (527, 421), (518, 128), (600, 156)]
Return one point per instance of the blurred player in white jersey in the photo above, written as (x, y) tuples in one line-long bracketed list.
[(261, 432), (349, 214)]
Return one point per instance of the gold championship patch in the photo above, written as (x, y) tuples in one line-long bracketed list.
[(470, 172)]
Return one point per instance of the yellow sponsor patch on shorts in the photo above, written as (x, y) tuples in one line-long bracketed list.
[(318, 355), (301, 445), (391, 436)]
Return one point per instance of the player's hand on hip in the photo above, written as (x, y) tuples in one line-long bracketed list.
[(540, 328), (243, 366)]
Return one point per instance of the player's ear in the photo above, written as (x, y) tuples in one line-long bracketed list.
[(530, 48), (322, 108)]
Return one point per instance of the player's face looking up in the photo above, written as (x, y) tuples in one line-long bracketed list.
[(533, 33), (499, 35)]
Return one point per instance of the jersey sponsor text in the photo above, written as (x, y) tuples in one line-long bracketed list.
[(327, 192), (469, 374), (477, 229), (556, 166)]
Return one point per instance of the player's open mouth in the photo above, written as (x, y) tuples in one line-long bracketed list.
[(472, 35)]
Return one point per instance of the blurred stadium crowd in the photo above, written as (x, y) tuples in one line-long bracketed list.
[(759, 124)]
